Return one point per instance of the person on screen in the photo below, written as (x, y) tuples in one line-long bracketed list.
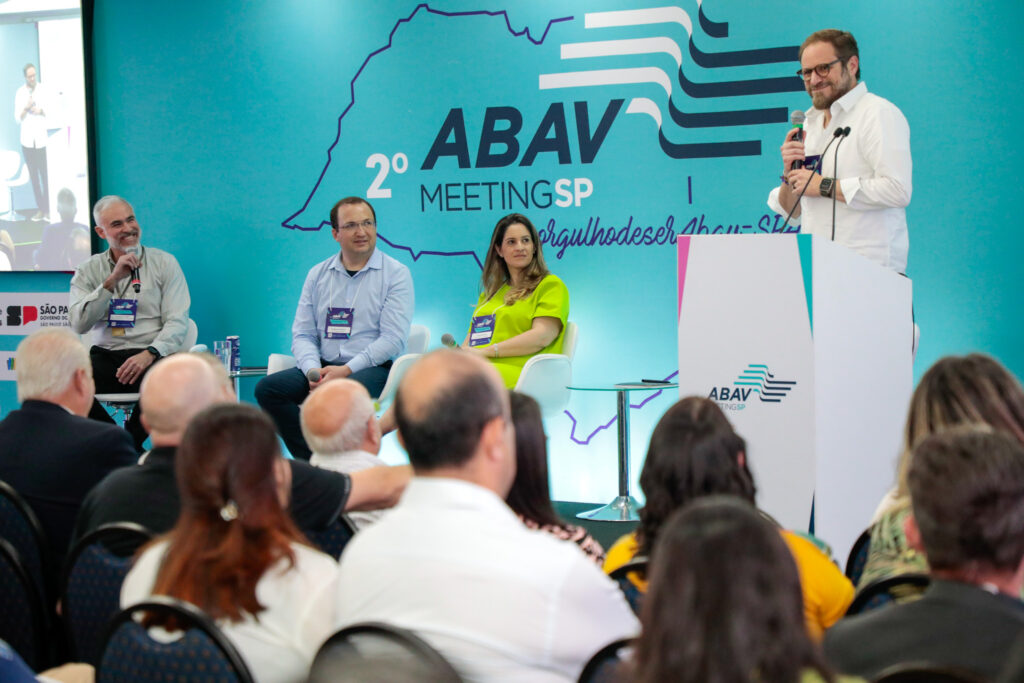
[(55, 248), (129, 330), (352, 321), (30, 107), (522, 308), (868, 187)]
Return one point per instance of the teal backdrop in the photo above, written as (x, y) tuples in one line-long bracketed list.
[(233, 127)]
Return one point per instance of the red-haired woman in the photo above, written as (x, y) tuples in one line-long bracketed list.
[(235, 552)]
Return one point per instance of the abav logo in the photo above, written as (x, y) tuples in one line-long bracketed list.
[(757, 379)]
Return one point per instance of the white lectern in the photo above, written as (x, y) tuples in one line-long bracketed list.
[(806, 346)]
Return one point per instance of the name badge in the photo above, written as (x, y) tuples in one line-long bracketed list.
[(813, 162), (481, 330), (339, 323), (121, 313)]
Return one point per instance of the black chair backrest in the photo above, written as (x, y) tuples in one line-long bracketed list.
[(91, 594), (202, 652), (375, 643), (858, 556), (634, 596), (900, 588), (23, 621), (335, 537), (606, 666), (20, 527), (925, 672)]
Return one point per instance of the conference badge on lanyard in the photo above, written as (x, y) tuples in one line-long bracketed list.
[(121, 313), (339, 323), (481, 330)]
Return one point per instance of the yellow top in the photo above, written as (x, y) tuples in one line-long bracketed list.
[(827, 592), (549, 299)]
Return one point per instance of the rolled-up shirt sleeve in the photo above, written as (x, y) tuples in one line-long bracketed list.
[(395, 320), (885, 145)]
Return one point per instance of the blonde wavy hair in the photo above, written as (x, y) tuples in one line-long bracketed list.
[(496, 273)]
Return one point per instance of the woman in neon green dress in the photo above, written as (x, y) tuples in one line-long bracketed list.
[(522, 308)]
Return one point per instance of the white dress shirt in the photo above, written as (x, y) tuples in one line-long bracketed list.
[(33, 126), (297, 619), (501, 602), (347, 463), (875, 173)]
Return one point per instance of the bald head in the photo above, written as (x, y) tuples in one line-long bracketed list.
[(444, 406), (172, 392), (339, 417)]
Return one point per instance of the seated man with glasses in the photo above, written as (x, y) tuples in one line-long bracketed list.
[(352, 321), (858, 193)]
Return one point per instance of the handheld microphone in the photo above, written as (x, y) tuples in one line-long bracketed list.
[(313, 374), (136, 282), (835, 170), (797, 118), (838, 133), (449, 341)]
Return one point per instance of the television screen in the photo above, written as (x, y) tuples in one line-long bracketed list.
[(44, 158)]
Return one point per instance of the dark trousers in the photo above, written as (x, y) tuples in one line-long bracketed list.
[(281, 394), (35, 160), (105, 363)]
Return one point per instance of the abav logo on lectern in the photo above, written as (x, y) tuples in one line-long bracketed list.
[(756, 378)]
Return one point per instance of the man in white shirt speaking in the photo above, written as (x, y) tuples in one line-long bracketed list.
[(453, 563), (858, 189), (30, 109)]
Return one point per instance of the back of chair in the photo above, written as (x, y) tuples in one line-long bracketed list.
[(570, 338), (191, 335), (335, 537), (925, 672), (20, 527), (390, 646), (93, 575), (901, 588), (606, 666), (200, 652), (634, 596), (419, 339), (23, 622), (858, 556)]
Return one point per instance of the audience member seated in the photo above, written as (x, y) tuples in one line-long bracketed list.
[(694, 452), (966, 489), (56, 247), (235, 553), (176, 389), (530, 496), (724, 602), (13, 669), (340, 427), (454, 564), (52, 454), (956, 390)]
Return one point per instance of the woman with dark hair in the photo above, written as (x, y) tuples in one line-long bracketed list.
[(724, 602), (235, 552), (522, 309), (693, 453), (530, 497), (956, 390)]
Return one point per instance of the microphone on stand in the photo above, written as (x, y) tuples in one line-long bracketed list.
[(835, 171), (835, 135)]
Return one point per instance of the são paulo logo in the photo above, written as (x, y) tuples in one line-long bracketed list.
[(757, 379)]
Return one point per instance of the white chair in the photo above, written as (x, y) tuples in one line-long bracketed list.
[(419, 340), (10, 164), (125, 403), (546, 377)]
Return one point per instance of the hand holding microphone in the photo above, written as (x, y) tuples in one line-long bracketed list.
[(135, 251), (793, 147)]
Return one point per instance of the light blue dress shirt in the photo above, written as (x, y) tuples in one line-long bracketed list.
[(382, 296)]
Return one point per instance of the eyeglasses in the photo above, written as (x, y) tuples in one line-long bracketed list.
[(365, 225), (822, 69)]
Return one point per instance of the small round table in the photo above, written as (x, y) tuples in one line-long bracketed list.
[(624, 507)]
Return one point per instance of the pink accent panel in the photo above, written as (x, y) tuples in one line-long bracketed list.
[(683, 242)]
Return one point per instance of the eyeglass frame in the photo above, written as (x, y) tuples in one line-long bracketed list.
[(365, 225), (806, 73)]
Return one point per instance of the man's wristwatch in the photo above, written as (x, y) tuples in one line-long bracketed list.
[(152, 350), (827, 187)]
